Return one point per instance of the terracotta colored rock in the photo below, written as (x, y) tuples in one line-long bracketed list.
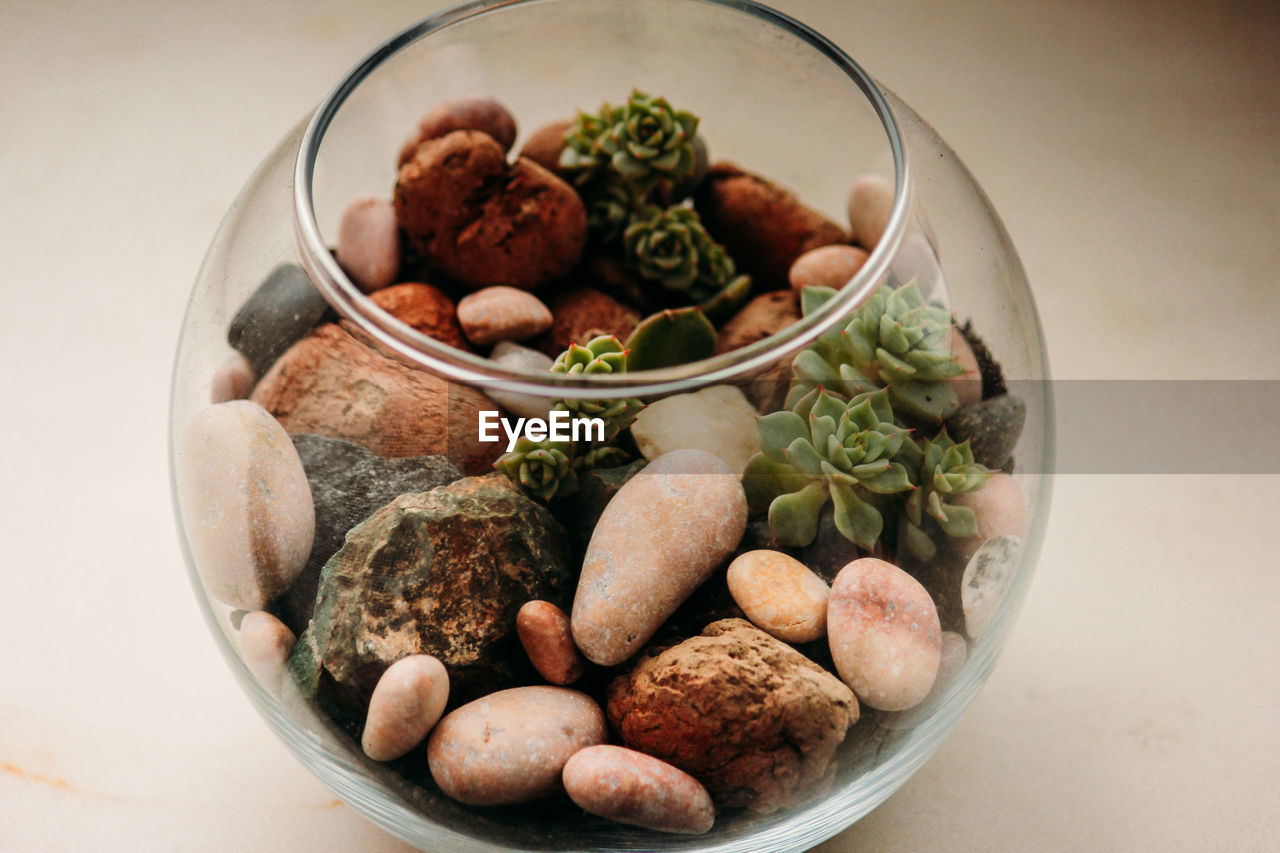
[(758, 319), (266, 643), (968, 385), (764, 227), (884, 633), (545, 144), (692, 511), (442, 573), (870, 204), (406, 704), (330, 384), (583, 314), (283, 309), (512, 746), (826, 266), (502, 314), (746, 715), (1001, 510), (420, 306), (719, 420), (780, 595), (233, 381), (987, 578), (954, 653), (369, 243), (544, 632), (246, 506), (483, 114), (484, 222), (347, 484), (626, 786)]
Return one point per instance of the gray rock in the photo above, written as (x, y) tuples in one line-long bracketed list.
[(440, 573), (280, 312), (347, 484), (992, 427)]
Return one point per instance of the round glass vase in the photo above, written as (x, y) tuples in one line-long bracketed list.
[(773, 96)]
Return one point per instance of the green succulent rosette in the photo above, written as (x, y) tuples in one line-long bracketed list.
[(827, 449), (670, 246), (610, 204), (543, 469), (604, 354), (946, 469), (643, 140), (894, 340)]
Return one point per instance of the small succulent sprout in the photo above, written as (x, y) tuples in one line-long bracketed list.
[(825, 448), (670, 246), (604, 354), (946, 469), (674, 336), (543, 469), (605, 456), (610, 203), (894, 339)]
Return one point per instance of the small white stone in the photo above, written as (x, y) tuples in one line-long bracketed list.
[(406, 704), (986, 582), (719, 420), (514, 356), (954, 654)]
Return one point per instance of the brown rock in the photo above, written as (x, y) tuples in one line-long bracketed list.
[(748, 716), (826, 266), (758, 319), (495, 314), (545, 145), (544, 633), (330, 384), (582, 314), (483, 114), (630, 787), (483, 222), (422, 307), (764, 227)]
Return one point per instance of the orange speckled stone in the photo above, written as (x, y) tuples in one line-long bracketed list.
[(626, 786), (780, 595), (544, 633)]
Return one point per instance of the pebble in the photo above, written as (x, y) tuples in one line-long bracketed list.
[(968, 385), (511, 746), (885, 637), (1001, 511), (627, 786), (992, 428), (502, 313), (246, 505), (513, 355), (265, 642), (870, 204), (233, 381), (423, 308), (763, 316), (826, 266), (369, 243), (986, 581), (692, 511), (780, 595), (483, 114), (281, 311), (954, 654), (582, 314), (406, 704), (719, 420), (545, 144), (545, 634)]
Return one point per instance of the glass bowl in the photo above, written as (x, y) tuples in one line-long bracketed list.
[(773, 96)]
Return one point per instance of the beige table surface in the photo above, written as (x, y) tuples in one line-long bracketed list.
[(1132, 151)]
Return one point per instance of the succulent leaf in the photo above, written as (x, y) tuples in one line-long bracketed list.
[(604, 354), (543, 469), (671, 337), (945, 469), (793, 518), (670, 247)]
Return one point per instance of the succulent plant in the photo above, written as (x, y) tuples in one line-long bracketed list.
[(644, 140), (674, 336), (610, 204), (543, 469), (671, 247), (601, 355), (896, 340), (604, 456), (946, 469), (825, 448)]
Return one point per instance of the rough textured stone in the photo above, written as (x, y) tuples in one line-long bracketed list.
[(661, 536), (758, 319), (630, 787), (440, 573), (511, 746), (369, 243), (283, 309), (347, 484), (826, 266), (749, 717), (884, 633), (583, 314), (992, 428), (780, 595), (870, 204), (330, 384), (764, 227), (502, 314), (406, 704), (483, 114), (544, 633), (719, 420), (422, 307), (246, 506)]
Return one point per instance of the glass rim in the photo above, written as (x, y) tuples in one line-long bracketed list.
[(467, 368)]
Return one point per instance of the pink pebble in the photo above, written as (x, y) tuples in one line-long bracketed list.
[(369, 243), (544, 632), (1001, 510), (627, 786), (502, 313), (870, 204), (266, 643), (886, 640), (968, 385), (826, 266), (233, 381), (406, 704), (954, 654)]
